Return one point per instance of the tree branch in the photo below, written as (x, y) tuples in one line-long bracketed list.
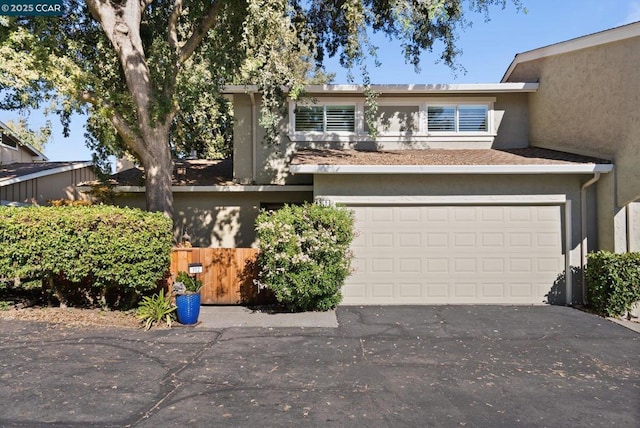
[(199, 32), (172, 34), (130, 137)]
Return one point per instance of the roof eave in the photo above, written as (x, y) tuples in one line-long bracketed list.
[(45, 173), (465, 88), (229, 188), (451, 169), (35, 152), (607, 36)]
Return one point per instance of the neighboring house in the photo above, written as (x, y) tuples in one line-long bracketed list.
[(471, 193), (27, 177), (588, 102)]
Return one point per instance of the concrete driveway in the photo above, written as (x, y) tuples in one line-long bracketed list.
[(484, 366)]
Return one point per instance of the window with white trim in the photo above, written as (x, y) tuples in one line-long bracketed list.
[(415, 119), (325, 118), (8, 141), (458, 118)]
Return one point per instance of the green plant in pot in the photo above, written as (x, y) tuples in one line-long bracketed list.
[(187, 290)]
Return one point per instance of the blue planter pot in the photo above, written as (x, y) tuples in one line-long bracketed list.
[(188, 308)]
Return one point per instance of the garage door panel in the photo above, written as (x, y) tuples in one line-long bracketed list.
[(463, 214), (437, 215), (382, 265), (464, 290), (382, 215), (549, 265), (548, 240), (409, 240), (355, 291), (410, 215), (493, 265), (437, 290), (492, 240), (455, 254), (520, 265), (407, 265), (437, 239), (383, 289), (413, 290), (437, 265), (519, 214), (493, 290), (465, 239), (493, 214)]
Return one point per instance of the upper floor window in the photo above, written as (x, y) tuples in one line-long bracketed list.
[(457, 118), (325, 118), (7, 140), (428, 119)]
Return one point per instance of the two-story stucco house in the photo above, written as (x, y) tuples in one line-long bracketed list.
[(470, 193), (27, 176)]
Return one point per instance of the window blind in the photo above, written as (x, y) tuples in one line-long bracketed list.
[(441, 118), (309, 118), (340, 118), (472, 118)]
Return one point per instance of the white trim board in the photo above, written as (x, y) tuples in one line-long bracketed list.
[(460, 88), (220, 189), (551, 199), (451, 169)]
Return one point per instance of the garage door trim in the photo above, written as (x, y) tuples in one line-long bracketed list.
[(552, 199)]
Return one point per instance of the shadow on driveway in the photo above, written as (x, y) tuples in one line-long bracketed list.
[(383, 366)]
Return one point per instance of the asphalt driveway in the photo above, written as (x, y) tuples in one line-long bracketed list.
[(485, 366)]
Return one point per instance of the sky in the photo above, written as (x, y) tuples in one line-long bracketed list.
[(487, 50)]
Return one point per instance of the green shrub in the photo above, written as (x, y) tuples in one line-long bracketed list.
[(191, 284), (156, 309), (112, 255), (305, 256), (613, 282)]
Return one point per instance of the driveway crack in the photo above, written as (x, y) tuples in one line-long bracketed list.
[(173, 380)]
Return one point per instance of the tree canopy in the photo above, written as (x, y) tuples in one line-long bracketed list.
[(26, 135), (149, 73)]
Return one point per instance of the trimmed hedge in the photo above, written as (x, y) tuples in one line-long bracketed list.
[(98, 255), (613, 282), (305, 256)]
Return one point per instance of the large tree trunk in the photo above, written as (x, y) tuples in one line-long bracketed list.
[(158, 167), (149, 138), (121, 24)]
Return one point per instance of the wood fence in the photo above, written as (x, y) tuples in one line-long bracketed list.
[(227, 273)]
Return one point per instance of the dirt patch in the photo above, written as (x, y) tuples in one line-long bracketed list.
[(74, 317)]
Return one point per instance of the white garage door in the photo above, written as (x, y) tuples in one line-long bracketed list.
[(455, 254)]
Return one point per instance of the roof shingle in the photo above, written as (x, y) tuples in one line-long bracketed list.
[(526, 156)]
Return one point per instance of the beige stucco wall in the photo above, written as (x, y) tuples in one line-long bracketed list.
[(511, 119), (55, 186), (218, 219), (242, 139), (587, 102)]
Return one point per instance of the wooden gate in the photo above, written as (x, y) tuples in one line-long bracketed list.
[(227, 273)]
